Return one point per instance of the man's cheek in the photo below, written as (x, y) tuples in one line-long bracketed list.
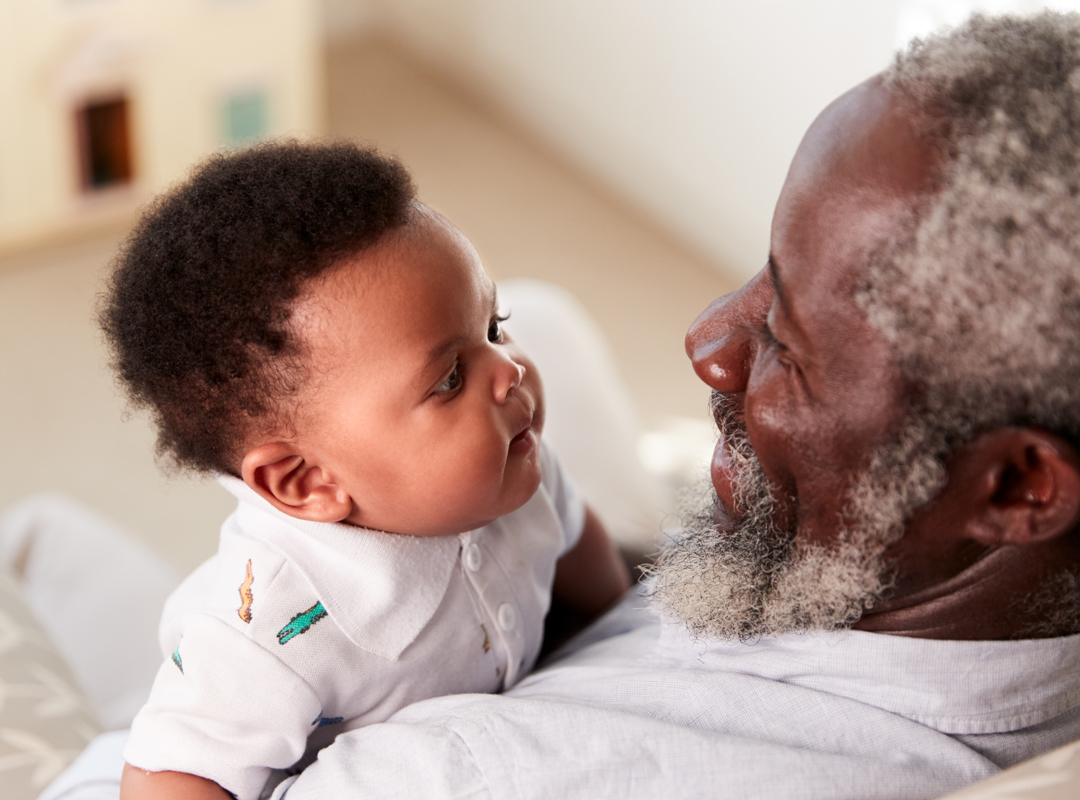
[(773, 438)]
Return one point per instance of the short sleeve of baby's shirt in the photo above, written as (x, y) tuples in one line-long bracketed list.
[(565, 498), (240, 692), (224, 708)]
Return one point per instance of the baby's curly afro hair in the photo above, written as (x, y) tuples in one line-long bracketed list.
[(196, 311)]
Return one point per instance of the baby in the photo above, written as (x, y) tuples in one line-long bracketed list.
[(301, 326)]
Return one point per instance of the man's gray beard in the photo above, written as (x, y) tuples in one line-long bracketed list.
[(758, 579)]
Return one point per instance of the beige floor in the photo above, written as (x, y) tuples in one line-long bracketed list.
[(527, 211)]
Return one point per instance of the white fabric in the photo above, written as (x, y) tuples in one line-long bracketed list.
[(95, 774), (341, 627), (636, 709), (95, 590), (647, 712)]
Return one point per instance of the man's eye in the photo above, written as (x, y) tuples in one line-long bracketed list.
[(452, 383), (495, 333), (770, 337)]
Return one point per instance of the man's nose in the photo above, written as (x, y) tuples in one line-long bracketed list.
[(508, 377), (722, 341)]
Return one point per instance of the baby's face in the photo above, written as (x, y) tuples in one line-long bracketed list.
[(418, 404)]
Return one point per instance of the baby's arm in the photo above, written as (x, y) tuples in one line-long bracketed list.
[(138, 784), (592, 576)]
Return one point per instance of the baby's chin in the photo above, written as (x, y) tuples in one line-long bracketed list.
[(521, 481)]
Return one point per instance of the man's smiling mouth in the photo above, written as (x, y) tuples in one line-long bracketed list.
[(725, 466), (728, 463)]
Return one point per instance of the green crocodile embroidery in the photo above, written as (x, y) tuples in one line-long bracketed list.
[(176, 659), (301, 622)]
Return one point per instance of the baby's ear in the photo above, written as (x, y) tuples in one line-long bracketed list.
[(293, 485)]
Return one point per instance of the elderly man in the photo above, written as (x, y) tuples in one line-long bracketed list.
[(882, 598)]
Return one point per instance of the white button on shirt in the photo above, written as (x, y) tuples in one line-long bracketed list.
[(302, 630), (507, 617), (473, 558)]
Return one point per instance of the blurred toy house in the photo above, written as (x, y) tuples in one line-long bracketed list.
[(107, 101)]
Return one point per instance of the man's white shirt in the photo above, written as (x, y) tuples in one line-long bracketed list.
[(646, 711)]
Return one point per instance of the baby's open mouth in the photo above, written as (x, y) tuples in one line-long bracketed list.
[(525, 440)]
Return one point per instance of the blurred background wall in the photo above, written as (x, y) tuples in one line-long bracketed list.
[(105, 101), (628, 150), (690, 108)]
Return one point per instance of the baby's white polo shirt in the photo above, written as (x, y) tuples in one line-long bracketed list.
[(297, 631)]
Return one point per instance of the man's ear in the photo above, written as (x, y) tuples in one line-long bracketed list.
[(1020, 485), (293, 485)]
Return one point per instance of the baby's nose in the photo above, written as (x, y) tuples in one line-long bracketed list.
[(510, 378)]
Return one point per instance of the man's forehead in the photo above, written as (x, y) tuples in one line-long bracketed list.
[(869, 137), (857, 179)]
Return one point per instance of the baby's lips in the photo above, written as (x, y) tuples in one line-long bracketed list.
[(524, 439), (522, 443), (522, 429)]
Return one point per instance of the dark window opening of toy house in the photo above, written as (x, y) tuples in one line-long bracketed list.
[(104, 144)]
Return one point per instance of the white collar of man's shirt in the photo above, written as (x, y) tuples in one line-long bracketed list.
[(380, 588), (956, 687)]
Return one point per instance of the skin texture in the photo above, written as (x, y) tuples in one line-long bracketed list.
[(819, 389), (167, 785), (421, 417)]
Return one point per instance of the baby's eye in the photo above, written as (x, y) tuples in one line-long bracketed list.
[(452, 383), (495, 333)]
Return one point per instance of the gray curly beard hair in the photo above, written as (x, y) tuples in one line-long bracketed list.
[(758, 579)]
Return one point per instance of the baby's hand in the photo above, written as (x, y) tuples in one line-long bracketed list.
[(592, 576), (138, 784)]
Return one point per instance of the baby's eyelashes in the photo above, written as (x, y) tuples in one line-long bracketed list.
[(495, 332), (452, 383)]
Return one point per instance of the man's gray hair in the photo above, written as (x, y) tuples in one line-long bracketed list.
[(981, 300)]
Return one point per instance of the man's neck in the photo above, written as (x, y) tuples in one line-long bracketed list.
[(997, 597)]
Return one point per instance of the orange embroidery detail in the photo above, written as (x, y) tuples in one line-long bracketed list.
[(245, 595)]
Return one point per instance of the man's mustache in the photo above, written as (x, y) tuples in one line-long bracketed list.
[(749, 482), (727, 413), (722, 408)]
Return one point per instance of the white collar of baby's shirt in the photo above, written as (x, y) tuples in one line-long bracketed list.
[(379, 588)]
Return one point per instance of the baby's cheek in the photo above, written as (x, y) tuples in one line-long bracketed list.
[(474, 476)]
